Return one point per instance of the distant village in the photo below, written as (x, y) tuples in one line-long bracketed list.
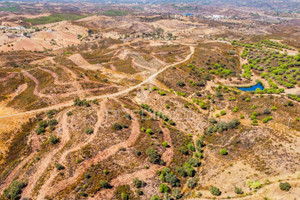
[(15, 28)]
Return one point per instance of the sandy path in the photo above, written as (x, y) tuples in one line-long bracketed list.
[(142, 66), (11, 75), (101, 117), (46, 161), (159, 60), (168, 154), (76, 84), (141, 174), (135, 132), (36, 82), (69, 103)]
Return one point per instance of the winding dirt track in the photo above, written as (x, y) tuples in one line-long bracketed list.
[(11, 75), (141, 174), (135, 132), (27, 192), (37, 83), (55, 77), (69, 103), (101, 116)]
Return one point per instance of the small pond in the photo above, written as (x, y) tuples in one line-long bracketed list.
[(252, 88)]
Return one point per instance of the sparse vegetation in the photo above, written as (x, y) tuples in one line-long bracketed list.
[(285, 186)]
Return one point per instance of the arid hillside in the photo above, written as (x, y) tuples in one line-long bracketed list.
[(145, 102)]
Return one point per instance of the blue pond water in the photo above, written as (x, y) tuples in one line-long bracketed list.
[(252, 88)]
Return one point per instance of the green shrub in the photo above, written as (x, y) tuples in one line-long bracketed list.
[(43, 124), (138, 183), (14, 190), (162, 93), (254, 122), (290, 103), (40, 130), (242, 116), (212, 120), (172, 179), (89, 130), (155, 197), (171, 122), (104, 184), (254, 184), (223, 152), (192, 183), (51, 113), (165, 144), (59, 166), (53, 139), (53, 122), (87, 175), (223, 112), (124, 196), (285, 186), (235, 109), (198, 155), (238, 190), (153, 155), (139, 192), (191, 147), (195, 162), (138, 152), (215, 191), (180, 83), (128, 116), (117, 126), (149, 131), (254, 106), (176, 193), (184, 150), (163, 188), (266, 119)]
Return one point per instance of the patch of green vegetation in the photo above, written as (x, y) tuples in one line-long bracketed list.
[(123, 192), (285, 186), (266, 59), (167, 176), (14, 190), (266, 119), (222, 126), (54, 18), (223, 152), (215, 191), (254, 184), (115, 13)]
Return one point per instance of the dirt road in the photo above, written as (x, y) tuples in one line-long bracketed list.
[(69, 103)]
